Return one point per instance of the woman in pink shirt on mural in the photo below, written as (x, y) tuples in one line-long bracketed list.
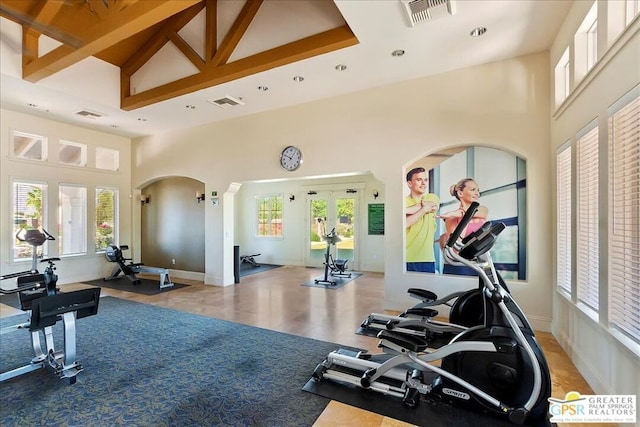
[(466, 191)]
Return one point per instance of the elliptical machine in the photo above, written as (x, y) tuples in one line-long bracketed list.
[(465, 310), (39, 296), (496, 367)]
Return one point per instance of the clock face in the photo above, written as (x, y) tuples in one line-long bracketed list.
[(291, 158)]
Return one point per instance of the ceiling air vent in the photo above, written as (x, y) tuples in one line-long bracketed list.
[(424, 10), (227, 102), (90, 114)]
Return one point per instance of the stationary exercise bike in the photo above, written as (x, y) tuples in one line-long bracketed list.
[(496, 367), (39, 296), (332, 267)]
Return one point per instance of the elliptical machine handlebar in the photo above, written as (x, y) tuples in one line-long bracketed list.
[(462, 224)]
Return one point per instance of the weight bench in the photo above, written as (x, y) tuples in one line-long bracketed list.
[(249, 259)]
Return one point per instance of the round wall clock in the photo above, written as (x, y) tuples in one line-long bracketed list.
[(291, 158)]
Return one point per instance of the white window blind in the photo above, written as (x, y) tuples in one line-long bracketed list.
[(563, 227), (29, 202), (107, 200), (72, 220), (624, 219), (587, 255)]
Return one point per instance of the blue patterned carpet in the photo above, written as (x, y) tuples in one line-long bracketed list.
[(152, 366)]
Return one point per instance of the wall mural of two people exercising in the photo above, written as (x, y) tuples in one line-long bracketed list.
[(439, 189)]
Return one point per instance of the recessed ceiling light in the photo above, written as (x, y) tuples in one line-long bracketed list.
[(397, 52), (190, 107), (298, 79), (341, 67), (263, 88), (477, 32)]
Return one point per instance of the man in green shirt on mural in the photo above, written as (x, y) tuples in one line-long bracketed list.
[(420, 217)]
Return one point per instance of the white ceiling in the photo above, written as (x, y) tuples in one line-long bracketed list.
[(514, 28)]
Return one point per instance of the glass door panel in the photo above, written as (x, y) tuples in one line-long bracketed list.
[(329, 210)]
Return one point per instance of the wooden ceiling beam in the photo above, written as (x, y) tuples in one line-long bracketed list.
[(211, 30), (116, 27), (236, 32), (187, 50), (159, 39), (308, 47), (99, 8)]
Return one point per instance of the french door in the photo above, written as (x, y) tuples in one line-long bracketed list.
[(329, 210)]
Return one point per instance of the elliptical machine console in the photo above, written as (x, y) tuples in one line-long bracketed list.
[(495, 367)]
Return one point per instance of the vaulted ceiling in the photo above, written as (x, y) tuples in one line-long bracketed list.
[(139, 67), (128, 33)]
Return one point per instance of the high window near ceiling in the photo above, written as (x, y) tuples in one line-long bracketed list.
[(28, 146), (72, 153), (586, 43)]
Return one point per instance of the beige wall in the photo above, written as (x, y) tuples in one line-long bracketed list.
[(503, 105)]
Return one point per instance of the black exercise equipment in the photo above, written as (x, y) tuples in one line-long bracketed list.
[(332, 267), (40, 297), (496, 367), (129, 269), (466, 308), (250, 259)]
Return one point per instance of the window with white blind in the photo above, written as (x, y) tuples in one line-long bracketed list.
[(72, 220), (624, 216), (563, 228), (29, 202), (587, 246)]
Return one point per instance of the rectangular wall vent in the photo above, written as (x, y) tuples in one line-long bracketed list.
[(227, 102), (90, 114), (424, 10)]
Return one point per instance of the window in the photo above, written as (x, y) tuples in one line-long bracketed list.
[(562, 78), (72, 220), (592, 45), (29, 202), (72, 153), (633, 9), (269, 216), (29, 147), (563, 228), (108, 159), (587, 249), (586, 43), (106, 217), (624, 217)]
